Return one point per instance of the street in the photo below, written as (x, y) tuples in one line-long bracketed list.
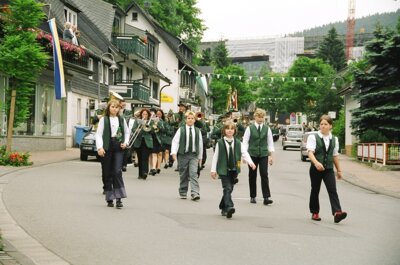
[(61, 206)]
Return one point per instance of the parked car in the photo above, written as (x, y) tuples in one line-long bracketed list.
[(275, 133), (303, 149), (292, 139), (88, 145)]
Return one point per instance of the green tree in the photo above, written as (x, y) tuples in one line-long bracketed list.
[(22, 59), (179, 17), (226, 78), (220, 55), (332, 51), (312, 96), (377, 79), (206, 58)]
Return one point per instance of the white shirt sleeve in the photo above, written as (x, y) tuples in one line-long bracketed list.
[(99, 133), (200, 156), (246, 156), (175, 142), (311, 143), (127, 132), (215, 159), (131, 123), (271, 147), (336, 149), (245, 140)]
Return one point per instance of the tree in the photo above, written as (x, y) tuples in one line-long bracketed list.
[(332, 51), (312, 96), (220, 55), (179, 17), (228, 78), (22, 59), (377, 79), (206, 58)]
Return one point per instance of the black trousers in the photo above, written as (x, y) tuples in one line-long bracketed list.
[(261, 162), (143, 153), (112, 173), (328, 176), (227, 186), (204, 158)]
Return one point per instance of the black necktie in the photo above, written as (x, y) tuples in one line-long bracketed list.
[(190, 150), (259, 129), (231, 160)]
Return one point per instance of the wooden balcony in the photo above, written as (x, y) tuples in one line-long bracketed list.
[(130, 44), (133, 91)]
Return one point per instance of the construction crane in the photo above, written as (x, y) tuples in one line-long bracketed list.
[(351, 22)]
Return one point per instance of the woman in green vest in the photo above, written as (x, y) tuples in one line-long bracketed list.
[(323, 151), (226, 163), (112, 138), (143, 143)]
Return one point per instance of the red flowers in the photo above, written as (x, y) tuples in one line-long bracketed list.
[(47, 40)]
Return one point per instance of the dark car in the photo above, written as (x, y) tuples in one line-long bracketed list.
[(303, 145), (275, 133), (88, 145)]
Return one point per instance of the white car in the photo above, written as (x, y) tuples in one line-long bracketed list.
[(292, 139)]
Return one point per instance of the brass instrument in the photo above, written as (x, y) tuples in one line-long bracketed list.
[(199, 115), (144, 125), (115, 95)]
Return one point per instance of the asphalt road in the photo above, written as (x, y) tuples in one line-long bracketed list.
[(61, 206)]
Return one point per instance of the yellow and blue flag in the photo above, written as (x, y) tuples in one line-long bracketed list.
[(59, 84)]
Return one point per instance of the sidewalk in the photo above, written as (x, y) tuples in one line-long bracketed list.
[(364, 176)]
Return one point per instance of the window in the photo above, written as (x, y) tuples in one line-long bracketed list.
[(106, 75), (90, 67), (151, 50), (70, 16), (134, 16), (129, 74), (154, 92), (78, 110), (116, 25), (100, 72)]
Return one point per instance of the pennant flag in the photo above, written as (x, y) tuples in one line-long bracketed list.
[(208, 75), (59, 84), (240, 77), (293, 79), (272, 79), (218, 76), (305, 79), (229, 77), (190, 72), (315, 79), (261, 78)]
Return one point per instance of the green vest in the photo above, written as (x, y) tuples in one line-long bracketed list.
[(222, 164), (107, 131), (182, 140), (258, 143), (323, 156), (142, 136)]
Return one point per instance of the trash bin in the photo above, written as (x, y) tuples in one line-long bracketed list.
[(80, 131)]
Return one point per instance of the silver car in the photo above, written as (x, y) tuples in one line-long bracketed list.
[(292, 139), (303, 145)]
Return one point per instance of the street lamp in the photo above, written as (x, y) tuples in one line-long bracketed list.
[(333, 82), (113, 67)]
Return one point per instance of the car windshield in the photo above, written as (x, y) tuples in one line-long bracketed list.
[(294, 134)]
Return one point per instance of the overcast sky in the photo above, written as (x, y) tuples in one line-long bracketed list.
[(234, 19)]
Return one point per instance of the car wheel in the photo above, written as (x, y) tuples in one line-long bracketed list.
[(84, 157), (284, 148)]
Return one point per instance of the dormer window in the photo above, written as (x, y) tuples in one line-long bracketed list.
[(134, 16), (117, 25), (70, 16)]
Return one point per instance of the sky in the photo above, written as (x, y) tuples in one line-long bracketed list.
[(234, 19)]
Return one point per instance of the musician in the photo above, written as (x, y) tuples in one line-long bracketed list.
[(143, 143), (179, 120), (156, 152), (112, 138), (204, 129)]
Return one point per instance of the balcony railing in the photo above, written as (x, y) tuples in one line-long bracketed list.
[(383, 153), (135, 91), (130, 45)]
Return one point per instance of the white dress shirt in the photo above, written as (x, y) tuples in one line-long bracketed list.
[(114, 123), (245, 155), (312, 143), (246, 138), (177, 137)]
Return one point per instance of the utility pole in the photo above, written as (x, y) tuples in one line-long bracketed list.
[(351, 22)]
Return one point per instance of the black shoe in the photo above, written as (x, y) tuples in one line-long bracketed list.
[(230, 212), (144, 176), (253, 200), (268, 201), (223, 213), (104, 192), (170, 164), (119, 205), (177, 169), (158, 171), (135, 164), (235, 181), (195, 197), (124, 168), (110, 204), (152, 172), (166, 166), (339, 216)]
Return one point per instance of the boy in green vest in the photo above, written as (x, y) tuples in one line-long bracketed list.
[(226, 163), (258, 142), (188, 143), (323, 151)]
